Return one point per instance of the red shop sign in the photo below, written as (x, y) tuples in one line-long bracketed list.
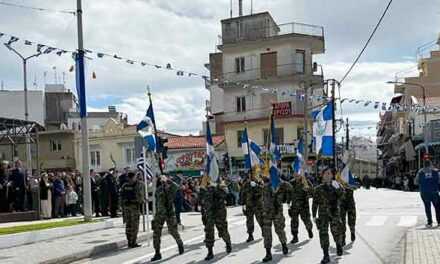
[(282, 109)]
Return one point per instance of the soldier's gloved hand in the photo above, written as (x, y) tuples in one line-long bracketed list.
[(314, 220), (253, 184), (244, 209), (336, 184)]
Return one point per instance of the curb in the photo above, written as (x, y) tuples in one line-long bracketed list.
[(98, 250)]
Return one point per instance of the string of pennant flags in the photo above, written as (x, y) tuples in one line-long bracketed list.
[(47, 49)]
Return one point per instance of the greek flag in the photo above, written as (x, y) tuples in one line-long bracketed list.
[(276, 156), (140, 166), (212, 169), (347, 176), (146, 129), (323, 130), (251, 151), (299, 159)]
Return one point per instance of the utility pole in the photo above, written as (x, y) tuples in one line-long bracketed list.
[(335, 157), (306, 127), (26, 104), (347, 143), (81, 83)]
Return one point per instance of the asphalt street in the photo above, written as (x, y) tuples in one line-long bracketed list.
[(384, 216)]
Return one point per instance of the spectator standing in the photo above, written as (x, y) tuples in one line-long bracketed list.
[(18, 179), (45, 196), (234, 187), (59, 194), (428, 180), (95, 185), (4, 205), (71, 200), (178, 203)]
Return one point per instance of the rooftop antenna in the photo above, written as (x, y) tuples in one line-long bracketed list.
[(252, 7), (54, 68), (240, 7), (231, 8)]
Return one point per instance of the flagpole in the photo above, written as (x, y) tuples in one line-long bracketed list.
[(158, 154), (147, 203), (335, 161)]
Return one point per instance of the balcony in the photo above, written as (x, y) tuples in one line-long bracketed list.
[(246, 32)]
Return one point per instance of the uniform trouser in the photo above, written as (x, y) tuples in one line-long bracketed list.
[(279, 224), (157, 225), (433, 198), (304, 213), (218, 220), (323, 224), (350, 213), (132, 214), (250, 213)]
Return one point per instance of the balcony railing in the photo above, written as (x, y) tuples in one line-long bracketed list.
[(235, 34)]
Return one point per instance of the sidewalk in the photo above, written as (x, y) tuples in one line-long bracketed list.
[(421, 246), (77, 247)]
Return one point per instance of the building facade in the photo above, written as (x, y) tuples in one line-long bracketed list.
[(263, 67)]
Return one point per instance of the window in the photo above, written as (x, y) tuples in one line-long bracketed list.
[(55, 145), (239, 135), (239, 65), (129, 155), (279, 136), (95, 159), (300, 61), (241, 103)]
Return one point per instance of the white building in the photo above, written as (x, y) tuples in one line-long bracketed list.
[(259, 65), (12, 105)]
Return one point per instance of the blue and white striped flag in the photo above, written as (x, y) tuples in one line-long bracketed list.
[(140, 166), (146, 129), (251, 151), (299, 159), (323, 130), (212, 169), (276, 156), (347, 176)]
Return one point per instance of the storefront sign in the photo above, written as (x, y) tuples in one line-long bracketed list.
[(190, 160), (283, 109)]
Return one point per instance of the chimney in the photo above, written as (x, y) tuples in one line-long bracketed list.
[(240, 7)]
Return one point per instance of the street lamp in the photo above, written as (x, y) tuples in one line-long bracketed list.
[(424, 108), (26, 107)]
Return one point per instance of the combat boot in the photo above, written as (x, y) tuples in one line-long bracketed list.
[(181, 249), (310, 233), (326, 258), (210, 254), (285, 248), (268, 256), (294, 239), (250, 238), (339, 250), (157, 256), (353, 236), (228, 247)]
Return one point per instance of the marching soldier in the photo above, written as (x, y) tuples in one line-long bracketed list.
[(252, 194), (326, 200), (132, 198), (215, 214), (273, 213), (165, 195), (348, 210), (300, 193)]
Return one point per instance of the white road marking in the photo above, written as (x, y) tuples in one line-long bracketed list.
[(377, 220), (407, 221), (186, 242)]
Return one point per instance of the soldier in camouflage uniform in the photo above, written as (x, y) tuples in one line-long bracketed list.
[(165, 194), (299, 196), (273, 213), (132, 198), (326, 200), (215, 214), (348, 210), (252, 194)]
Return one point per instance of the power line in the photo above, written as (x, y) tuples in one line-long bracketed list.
[(368, 41), (37, 8)]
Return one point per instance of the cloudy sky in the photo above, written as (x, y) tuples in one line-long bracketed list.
[(183, 33)]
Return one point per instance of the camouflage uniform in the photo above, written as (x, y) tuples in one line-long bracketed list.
[(132, 197), (273, 213), (252, 199), (326, 200), (348, 209), (214, 204), (165, 195), (299, 205)]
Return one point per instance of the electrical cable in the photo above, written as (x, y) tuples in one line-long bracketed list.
[(37, 8), (367, 43)]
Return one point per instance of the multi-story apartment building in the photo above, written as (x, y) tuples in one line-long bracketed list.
[(261, 65)]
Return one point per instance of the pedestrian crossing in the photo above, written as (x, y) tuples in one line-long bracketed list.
[(404, 221)]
